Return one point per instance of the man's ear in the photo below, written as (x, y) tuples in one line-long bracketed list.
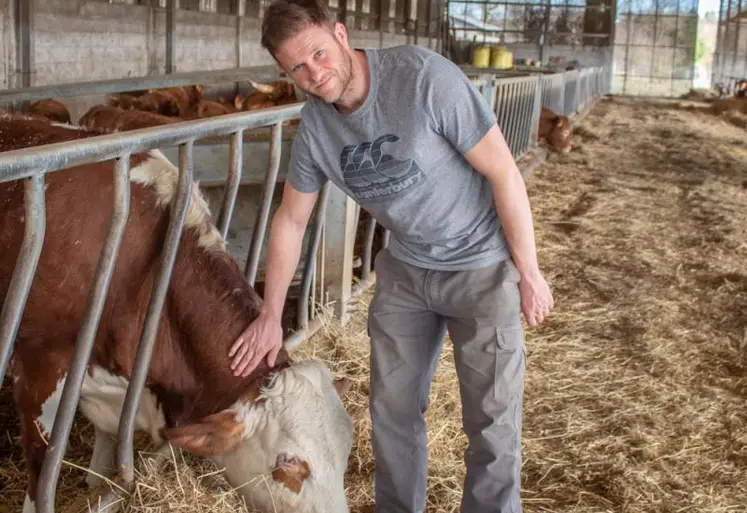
[(341, 33), (215, 434)]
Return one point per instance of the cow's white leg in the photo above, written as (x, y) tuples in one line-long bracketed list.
[(28, 505), (36, 428), (102, 461)]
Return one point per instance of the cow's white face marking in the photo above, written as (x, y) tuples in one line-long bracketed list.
[(300, 417), (158, 172)]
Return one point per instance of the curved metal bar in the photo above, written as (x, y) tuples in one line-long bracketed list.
[(50, 470), (23, 274), (260, 225), (231, 189), (23, 163), (153, 317)]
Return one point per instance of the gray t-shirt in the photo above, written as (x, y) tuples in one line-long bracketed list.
[(400, 156)]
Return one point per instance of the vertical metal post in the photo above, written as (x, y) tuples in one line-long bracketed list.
[(717, 53), (24, 21), (170, 29), (545, 32), (153, 315), (340, 236), (676, 47), (239, 30), (50, 470), (151, 42), (529, 98), (525, 113), (653, 42), (231, 188), (515, 115), (260, 225), (23, 273), (311, 257), (561, 105), (738, 18), (629, 26), (536, 111)]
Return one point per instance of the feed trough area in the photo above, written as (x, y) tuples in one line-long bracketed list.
[(636, 384)]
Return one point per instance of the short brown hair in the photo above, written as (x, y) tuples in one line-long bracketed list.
[(285, 18)]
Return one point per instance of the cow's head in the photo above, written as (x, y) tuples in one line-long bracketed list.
[(285, 450), (560, 135)]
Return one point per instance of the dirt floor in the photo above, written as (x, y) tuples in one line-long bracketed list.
[(636, 393)]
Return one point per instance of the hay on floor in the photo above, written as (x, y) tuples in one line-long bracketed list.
[(636, 391)]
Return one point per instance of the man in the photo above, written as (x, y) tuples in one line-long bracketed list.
[(404, 133)]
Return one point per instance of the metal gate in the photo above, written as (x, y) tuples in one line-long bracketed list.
[(33, 164)]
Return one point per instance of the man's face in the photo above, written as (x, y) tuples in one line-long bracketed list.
[(318, 61)]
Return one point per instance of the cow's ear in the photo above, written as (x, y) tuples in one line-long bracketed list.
[(216, 434), (342, 386)]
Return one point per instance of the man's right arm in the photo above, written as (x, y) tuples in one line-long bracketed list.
[(264, 336)]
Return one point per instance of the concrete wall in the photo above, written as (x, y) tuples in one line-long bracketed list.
[(84, 40), (7, 45), (89, 40)]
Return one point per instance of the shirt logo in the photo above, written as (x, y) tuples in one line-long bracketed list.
[(373, 175)]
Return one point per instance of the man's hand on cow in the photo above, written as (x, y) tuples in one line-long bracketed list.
[(263, 337), (536, 298)]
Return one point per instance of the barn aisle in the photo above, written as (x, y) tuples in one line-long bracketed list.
[(636, 387)]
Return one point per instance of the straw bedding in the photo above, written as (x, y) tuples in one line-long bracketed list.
[(636, 391)]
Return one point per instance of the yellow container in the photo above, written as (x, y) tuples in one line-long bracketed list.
[(481, 57), (501, 58)]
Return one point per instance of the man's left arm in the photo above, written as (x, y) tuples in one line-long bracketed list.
[(492, 158), (464, 117)]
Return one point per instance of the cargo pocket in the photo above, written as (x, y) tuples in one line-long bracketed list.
[(510, 362)]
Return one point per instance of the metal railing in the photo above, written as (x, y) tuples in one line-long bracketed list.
[(571, 100), (553, 91), (122, 85), (32, 164)]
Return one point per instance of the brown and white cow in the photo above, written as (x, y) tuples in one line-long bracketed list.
[(284, 430), (555, 130)]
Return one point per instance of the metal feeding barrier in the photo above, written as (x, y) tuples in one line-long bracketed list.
[(32, 164), (553, 91)]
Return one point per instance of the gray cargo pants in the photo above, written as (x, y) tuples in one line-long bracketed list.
[(410, 312)]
